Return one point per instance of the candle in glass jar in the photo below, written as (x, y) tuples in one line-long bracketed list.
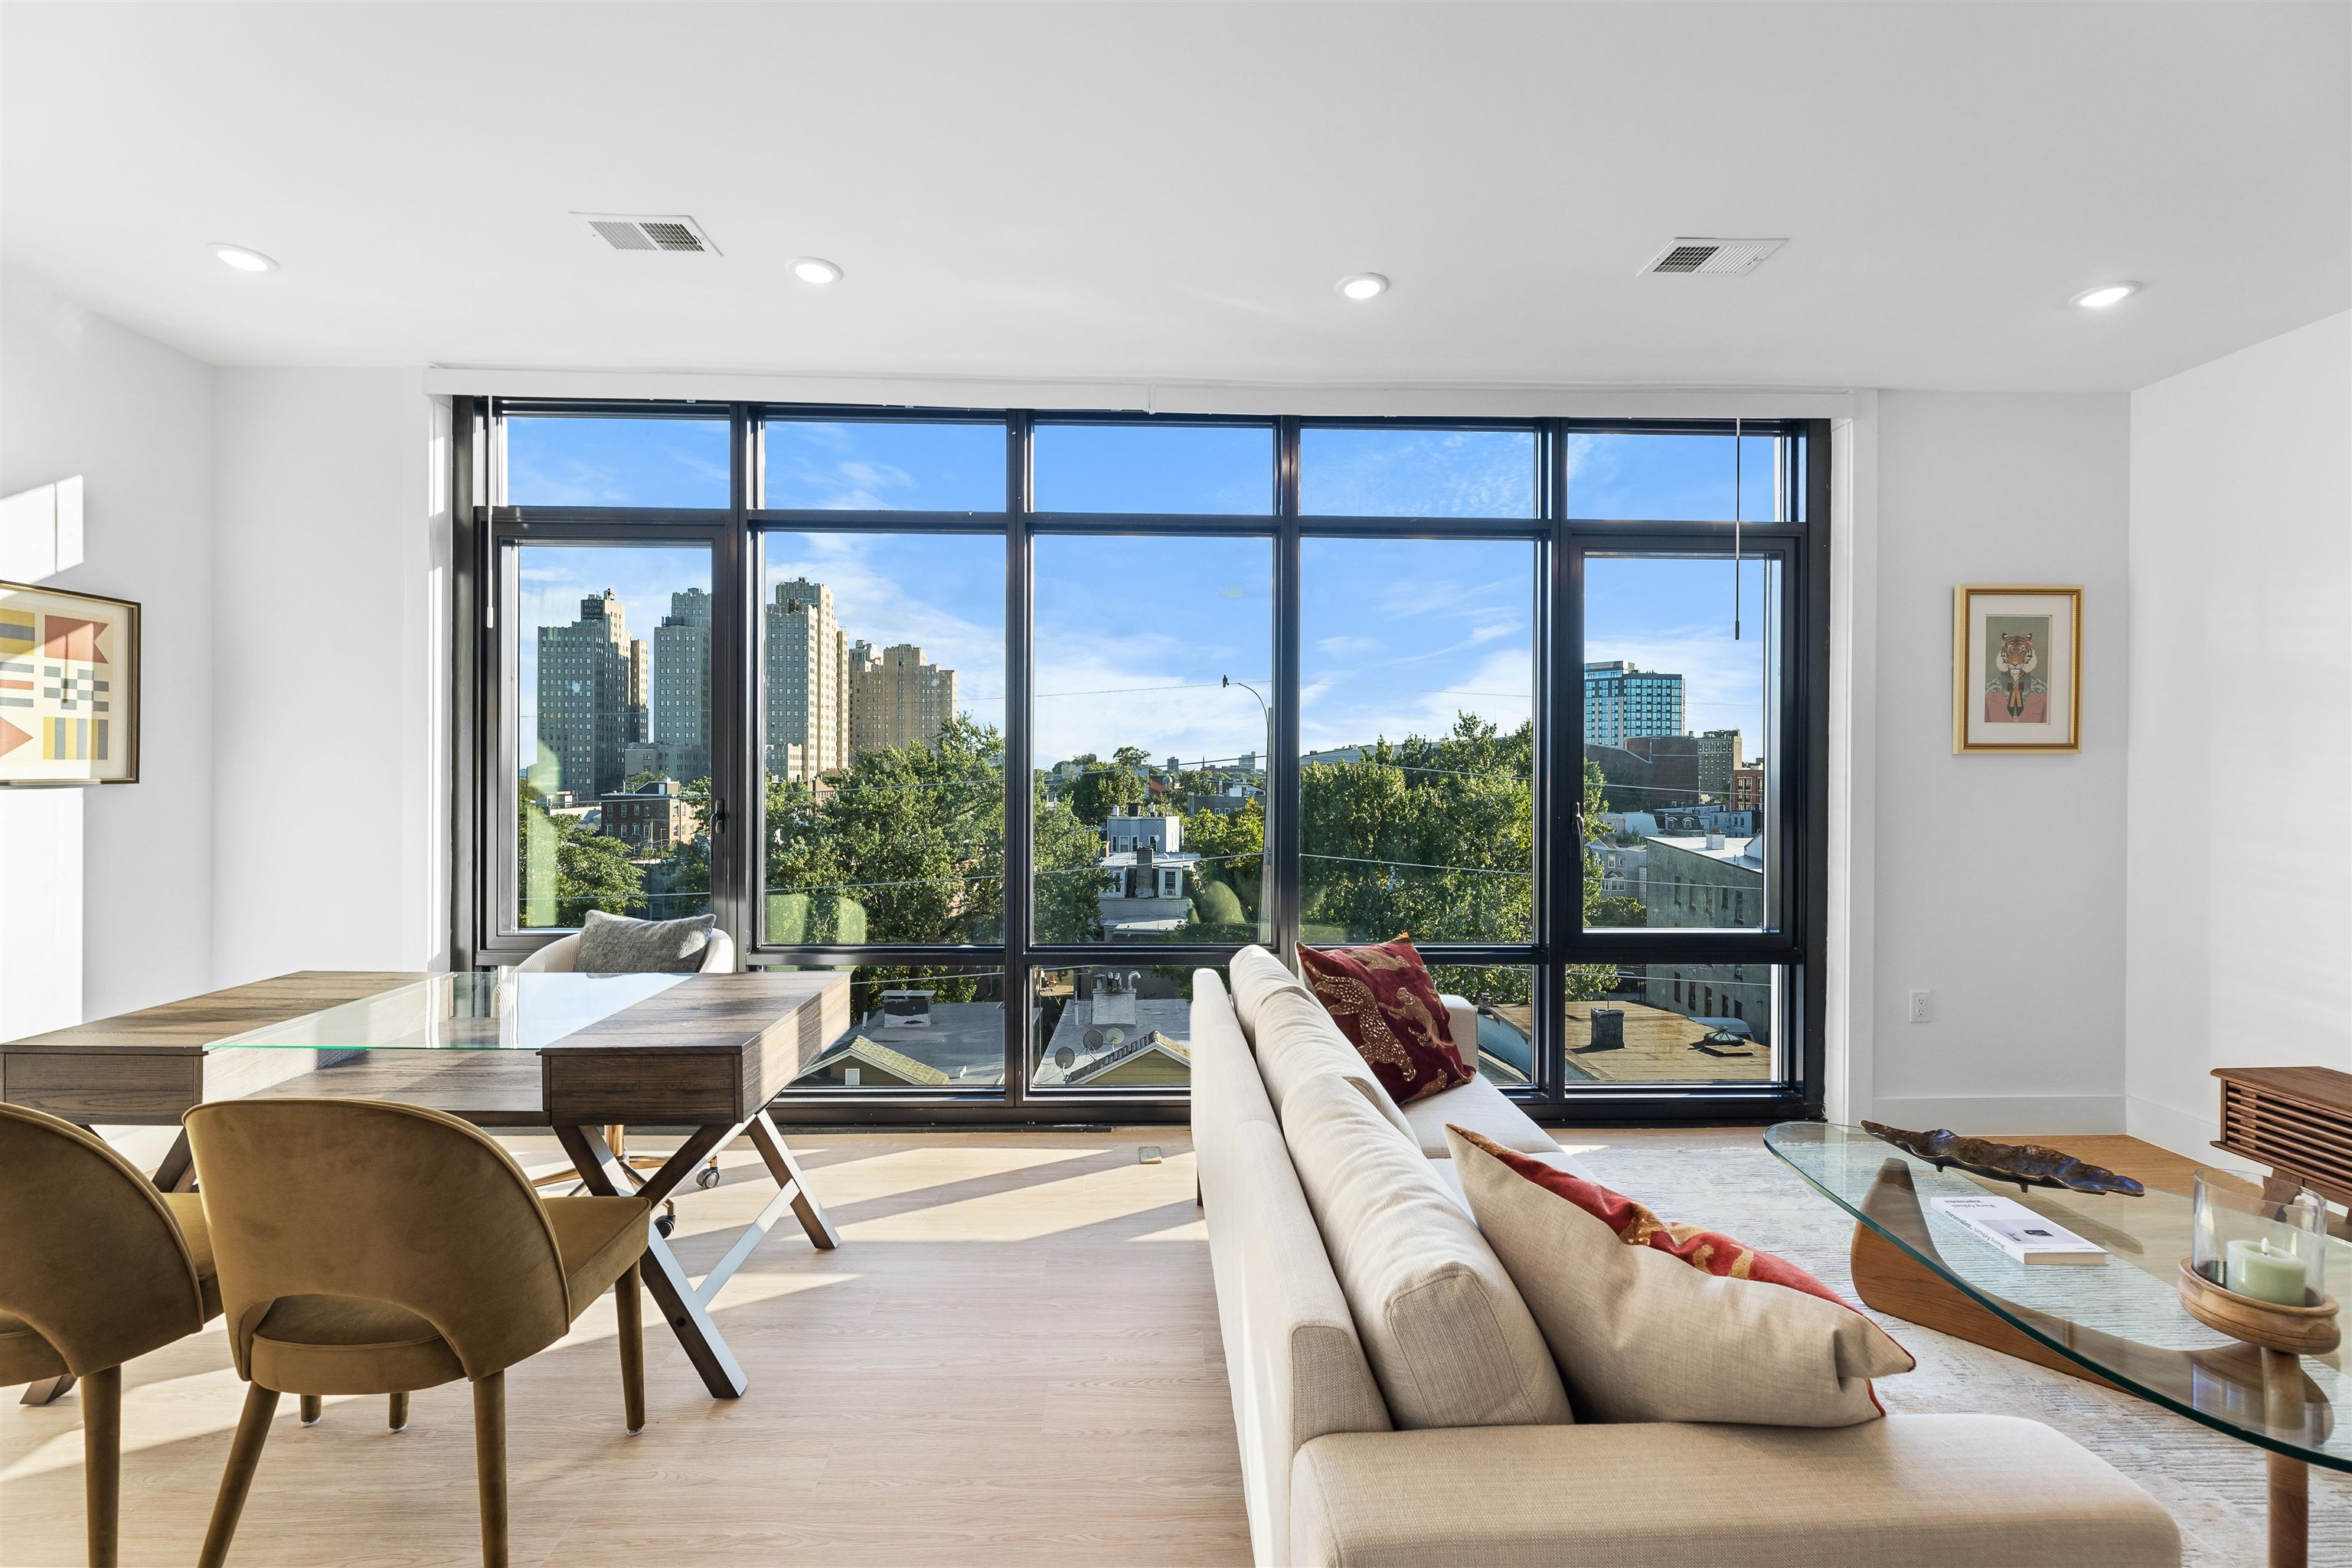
[(2266, 1272)]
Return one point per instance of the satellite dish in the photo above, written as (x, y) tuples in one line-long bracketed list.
[(1114, 1038), (1094, 1039), (1064, 1057)]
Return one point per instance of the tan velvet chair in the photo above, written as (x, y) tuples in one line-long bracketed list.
[(96, 1267), (367, 1248)]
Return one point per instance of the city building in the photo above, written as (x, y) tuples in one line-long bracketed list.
[(651, 819), (637, 723), (1703, 879), (808, 683), (896, 699), (1748, 789), (1144, 890), (1673, 761), (1114, 1038), (1719, 756), (583, 688), (1622, 702), (910, 1036), (681, 695)]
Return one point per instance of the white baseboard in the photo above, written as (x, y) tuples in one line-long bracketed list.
[(2019, 1115), (2185, 1134)]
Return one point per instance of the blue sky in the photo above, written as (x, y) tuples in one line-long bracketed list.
[(1133, 632)]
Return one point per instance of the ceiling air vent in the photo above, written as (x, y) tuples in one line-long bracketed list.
[(1712, 258), (671, 232)]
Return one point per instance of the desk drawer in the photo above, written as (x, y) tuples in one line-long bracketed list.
[(113, 1086), (585, 1087)]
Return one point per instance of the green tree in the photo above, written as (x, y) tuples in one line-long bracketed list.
[(566, 870), (1104, 789)]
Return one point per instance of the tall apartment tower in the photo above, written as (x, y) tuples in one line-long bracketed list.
[(1621, 703), (808, 683), (681, 687), (1718, 757), (583, 698), (896, 699), (637, 720)]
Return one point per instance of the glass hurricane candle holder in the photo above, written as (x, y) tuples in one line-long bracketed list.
[(2255, 1248)]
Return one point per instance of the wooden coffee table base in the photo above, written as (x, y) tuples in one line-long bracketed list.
[(1891, 1281)]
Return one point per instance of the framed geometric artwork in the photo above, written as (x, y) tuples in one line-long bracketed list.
[(69, 688), (2017, 669)]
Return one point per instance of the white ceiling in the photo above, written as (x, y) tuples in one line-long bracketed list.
[(1171, 191)]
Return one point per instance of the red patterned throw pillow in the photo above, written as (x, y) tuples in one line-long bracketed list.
[(1708, 1251), (1384, 1001)]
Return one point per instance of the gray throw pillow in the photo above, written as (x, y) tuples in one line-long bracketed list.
[(616, 944)]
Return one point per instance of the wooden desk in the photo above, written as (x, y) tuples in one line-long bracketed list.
[(706, 1053)]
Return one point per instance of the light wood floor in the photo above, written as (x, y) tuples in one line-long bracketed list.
[(1013, 1358)]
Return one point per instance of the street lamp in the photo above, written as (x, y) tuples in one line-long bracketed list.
[(1266, 851)]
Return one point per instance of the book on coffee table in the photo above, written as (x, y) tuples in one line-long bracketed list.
[(2026, 1236)]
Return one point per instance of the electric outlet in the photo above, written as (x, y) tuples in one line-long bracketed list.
[(1918, 1006)]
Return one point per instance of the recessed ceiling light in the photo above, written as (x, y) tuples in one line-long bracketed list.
[(815, 270), (2105, 295), (1361, 285), (245, 261)]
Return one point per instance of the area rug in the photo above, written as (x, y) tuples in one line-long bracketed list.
[(2213, 1485)]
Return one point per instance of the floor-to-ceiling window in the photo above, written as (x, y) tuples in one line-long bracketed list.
[(1017, 719)]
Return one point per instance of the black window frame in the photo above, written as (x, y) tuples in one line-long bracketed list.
[(1559, 941)]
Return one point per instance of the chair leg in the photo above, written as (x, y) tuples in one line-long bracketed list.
[(628, 1305), (399, 1420), (101, 1463), (313, 1406), (490, 1465), (243, 1458)]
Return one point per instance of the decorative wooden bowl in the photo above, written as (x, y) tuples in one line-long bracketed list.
[(2293, 1331)]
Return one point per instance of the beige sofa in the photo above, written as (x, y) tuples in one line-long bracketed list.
[(1329, 1479)]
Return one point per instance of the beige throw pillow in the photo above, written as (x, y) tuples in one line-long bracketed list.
[(1449, 1339), (1642, 1334)]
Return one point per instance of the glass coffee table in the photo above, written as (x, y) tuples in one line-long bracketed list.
[(2120, 1324)]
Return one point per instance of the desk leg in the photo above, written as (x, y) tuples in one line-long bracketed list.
[(177, 1174), (787, 1172), (663, 1279)]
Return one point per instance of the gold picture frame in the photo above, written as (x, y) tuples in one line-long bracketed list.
[(2017, 667), (70, 687)]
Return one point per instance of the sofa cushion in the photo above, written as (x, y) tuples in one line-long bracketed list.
[(1484, 1109), (1297, 1041), (1645, 1335), (617, 944), (1252, 975), (1385, 1004), (1910, 1489), (1446, 1333)]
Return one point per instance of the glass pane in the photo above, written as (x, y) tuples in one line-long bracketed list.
[(1387, 472), (871, 465), (1226, 469), (1417, 802), (1675, 1022), (1677, 477), (1681, 742), (938, 1029), (882, 706), (609, 653), (617, 462), (1097, 1028), (1151, 815), (1504, 997)]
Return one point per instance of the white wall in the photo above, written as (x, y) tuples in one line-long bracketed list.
[(1997, 879), (109, 902), (2239, 930), (329, 821)]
